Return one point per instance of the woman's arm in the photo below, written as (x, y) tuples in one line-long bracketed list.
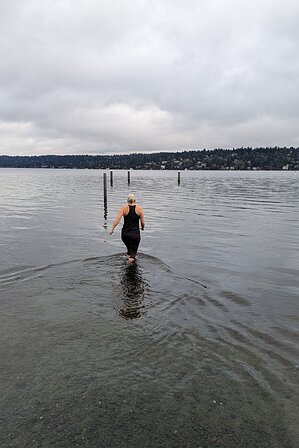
[(142, 220), (117, 219)]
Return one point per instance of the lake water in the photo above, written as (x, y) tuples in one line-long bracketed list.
[(194, 346)]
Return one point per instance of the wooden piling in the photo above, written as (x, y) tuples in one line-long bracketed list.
[(129, 177), (179, 178), (105, 191), (111, 178)]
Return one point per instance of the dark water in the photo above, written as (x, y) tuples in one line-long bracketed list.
[(195, 346)]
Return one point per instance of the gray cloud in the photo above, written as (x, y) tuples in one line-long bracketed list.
[(113, 76)]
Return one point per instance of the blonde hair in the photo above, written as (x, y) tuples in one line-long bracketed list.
[(131, 198)]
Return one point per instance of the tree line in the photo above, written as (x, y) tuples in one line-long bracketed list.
[(269, 158)]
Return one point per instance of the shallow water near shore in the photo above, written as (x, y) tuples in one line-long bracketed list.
[(195, 345)]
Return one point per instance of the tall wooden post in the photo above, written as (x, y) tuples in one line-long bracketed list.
[(105, 194), (111, 178), (129, 177), (179, 178)]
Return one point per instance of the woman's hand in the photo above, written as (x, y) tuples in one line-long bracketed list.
[(111, 231)]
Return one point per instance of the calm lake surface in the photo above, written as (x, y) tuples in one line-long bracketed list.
[(194, 346)]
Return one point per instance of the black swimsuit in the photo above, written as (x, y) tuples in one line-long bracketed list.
[(130, 233)]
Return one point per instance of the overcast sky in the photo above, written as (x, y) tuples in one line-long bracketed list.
[(116, 76)]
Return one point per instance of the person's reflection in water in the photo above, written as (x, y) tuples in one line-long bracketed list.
[(133, 290)]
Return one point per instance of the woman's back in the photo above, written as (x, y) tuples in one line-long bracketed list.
[(131, 219)]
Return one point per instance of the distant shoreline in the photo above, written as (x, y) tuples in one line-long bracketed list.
[(139, 169), (239, 159)]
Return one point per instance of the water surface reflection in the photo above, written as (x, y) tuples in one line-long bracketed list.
[(133, 288)]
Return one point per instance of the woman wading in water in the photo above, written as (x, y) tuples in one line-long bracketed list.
[(133, 216)]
